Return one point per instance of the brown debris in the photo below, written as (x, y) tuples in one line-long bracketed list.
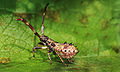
[(4, 60)]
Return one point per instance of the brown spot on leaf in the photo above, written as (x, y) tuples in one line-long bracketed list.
[(105, 37), (116, 48), (54, 15), (75, 68), (105, 24), (84, 20), (24, 15), (1, 24), (4, 60), (87, 34)]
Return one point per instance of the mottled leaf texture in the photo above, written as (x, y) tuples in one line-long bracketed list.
[(93, 26)]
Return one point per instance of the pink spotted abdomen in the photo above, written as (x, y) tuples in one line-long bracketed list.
[(66, 50)]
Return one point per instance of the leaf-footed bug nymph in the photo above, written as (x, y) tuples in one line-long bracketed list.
[(63, 50)]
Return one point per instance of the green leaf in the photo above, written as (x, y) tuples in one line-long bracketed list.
[(92, 26)]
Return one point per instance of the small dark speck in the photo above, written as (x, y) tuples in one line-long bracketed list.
[(65, 42), (65, 50), (70, 44), (73, 51), (52, 44), (50, 47)]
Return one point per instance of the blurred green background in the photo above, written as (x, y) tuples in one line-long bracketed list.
[(91, 25)]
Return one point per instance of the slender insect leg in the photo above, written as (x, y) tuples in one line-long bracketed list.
[(34, 49), (42, 26), (43, 17), (69, 60), (30, 26), (49, 56), (40, 43), (61, 59)]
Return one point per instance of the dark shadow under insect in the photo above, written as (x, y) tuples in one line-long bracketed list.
[(63, 50)]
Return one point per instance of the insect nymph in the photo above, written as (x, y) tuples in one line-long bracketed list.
[(63, 50)]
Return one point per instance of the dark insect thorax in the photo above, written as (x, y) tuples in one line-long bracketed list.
[(48, 42)]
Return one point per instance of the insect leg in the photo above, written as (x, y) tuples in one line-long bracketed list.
[(34, 49), (30, 26), (43, 17), (49, 56), (61, 59), (69, 60)]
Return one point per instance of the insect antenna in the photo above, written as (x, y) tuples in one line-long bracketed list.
[(30, 26), (43, 18)]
